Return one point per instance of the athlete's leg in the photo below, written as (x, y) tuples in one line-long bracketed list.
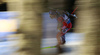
[(59, 42), (63, 39), (59, 38)]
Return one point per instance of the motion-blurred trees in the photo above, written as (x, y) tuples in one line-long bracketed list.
[(31, 25), (3, 6), (88, 22)]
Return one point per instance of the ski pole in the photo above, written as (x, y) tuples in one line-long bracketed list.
[(74, 10)]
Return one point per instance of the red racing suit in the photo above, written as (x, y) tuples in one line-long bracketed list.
[(67, 25)]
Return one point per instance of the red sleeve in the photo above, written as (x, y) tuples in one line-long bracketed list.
[(69, 26)]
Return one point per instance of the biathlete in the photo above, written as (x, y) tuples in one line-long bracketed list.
[(63, 26)]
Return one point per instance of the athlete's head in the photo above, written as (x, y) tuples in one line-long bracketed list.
[(53, 14)]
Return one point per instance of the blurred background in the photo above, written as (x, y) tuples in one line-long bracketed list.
[(25, 27)]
